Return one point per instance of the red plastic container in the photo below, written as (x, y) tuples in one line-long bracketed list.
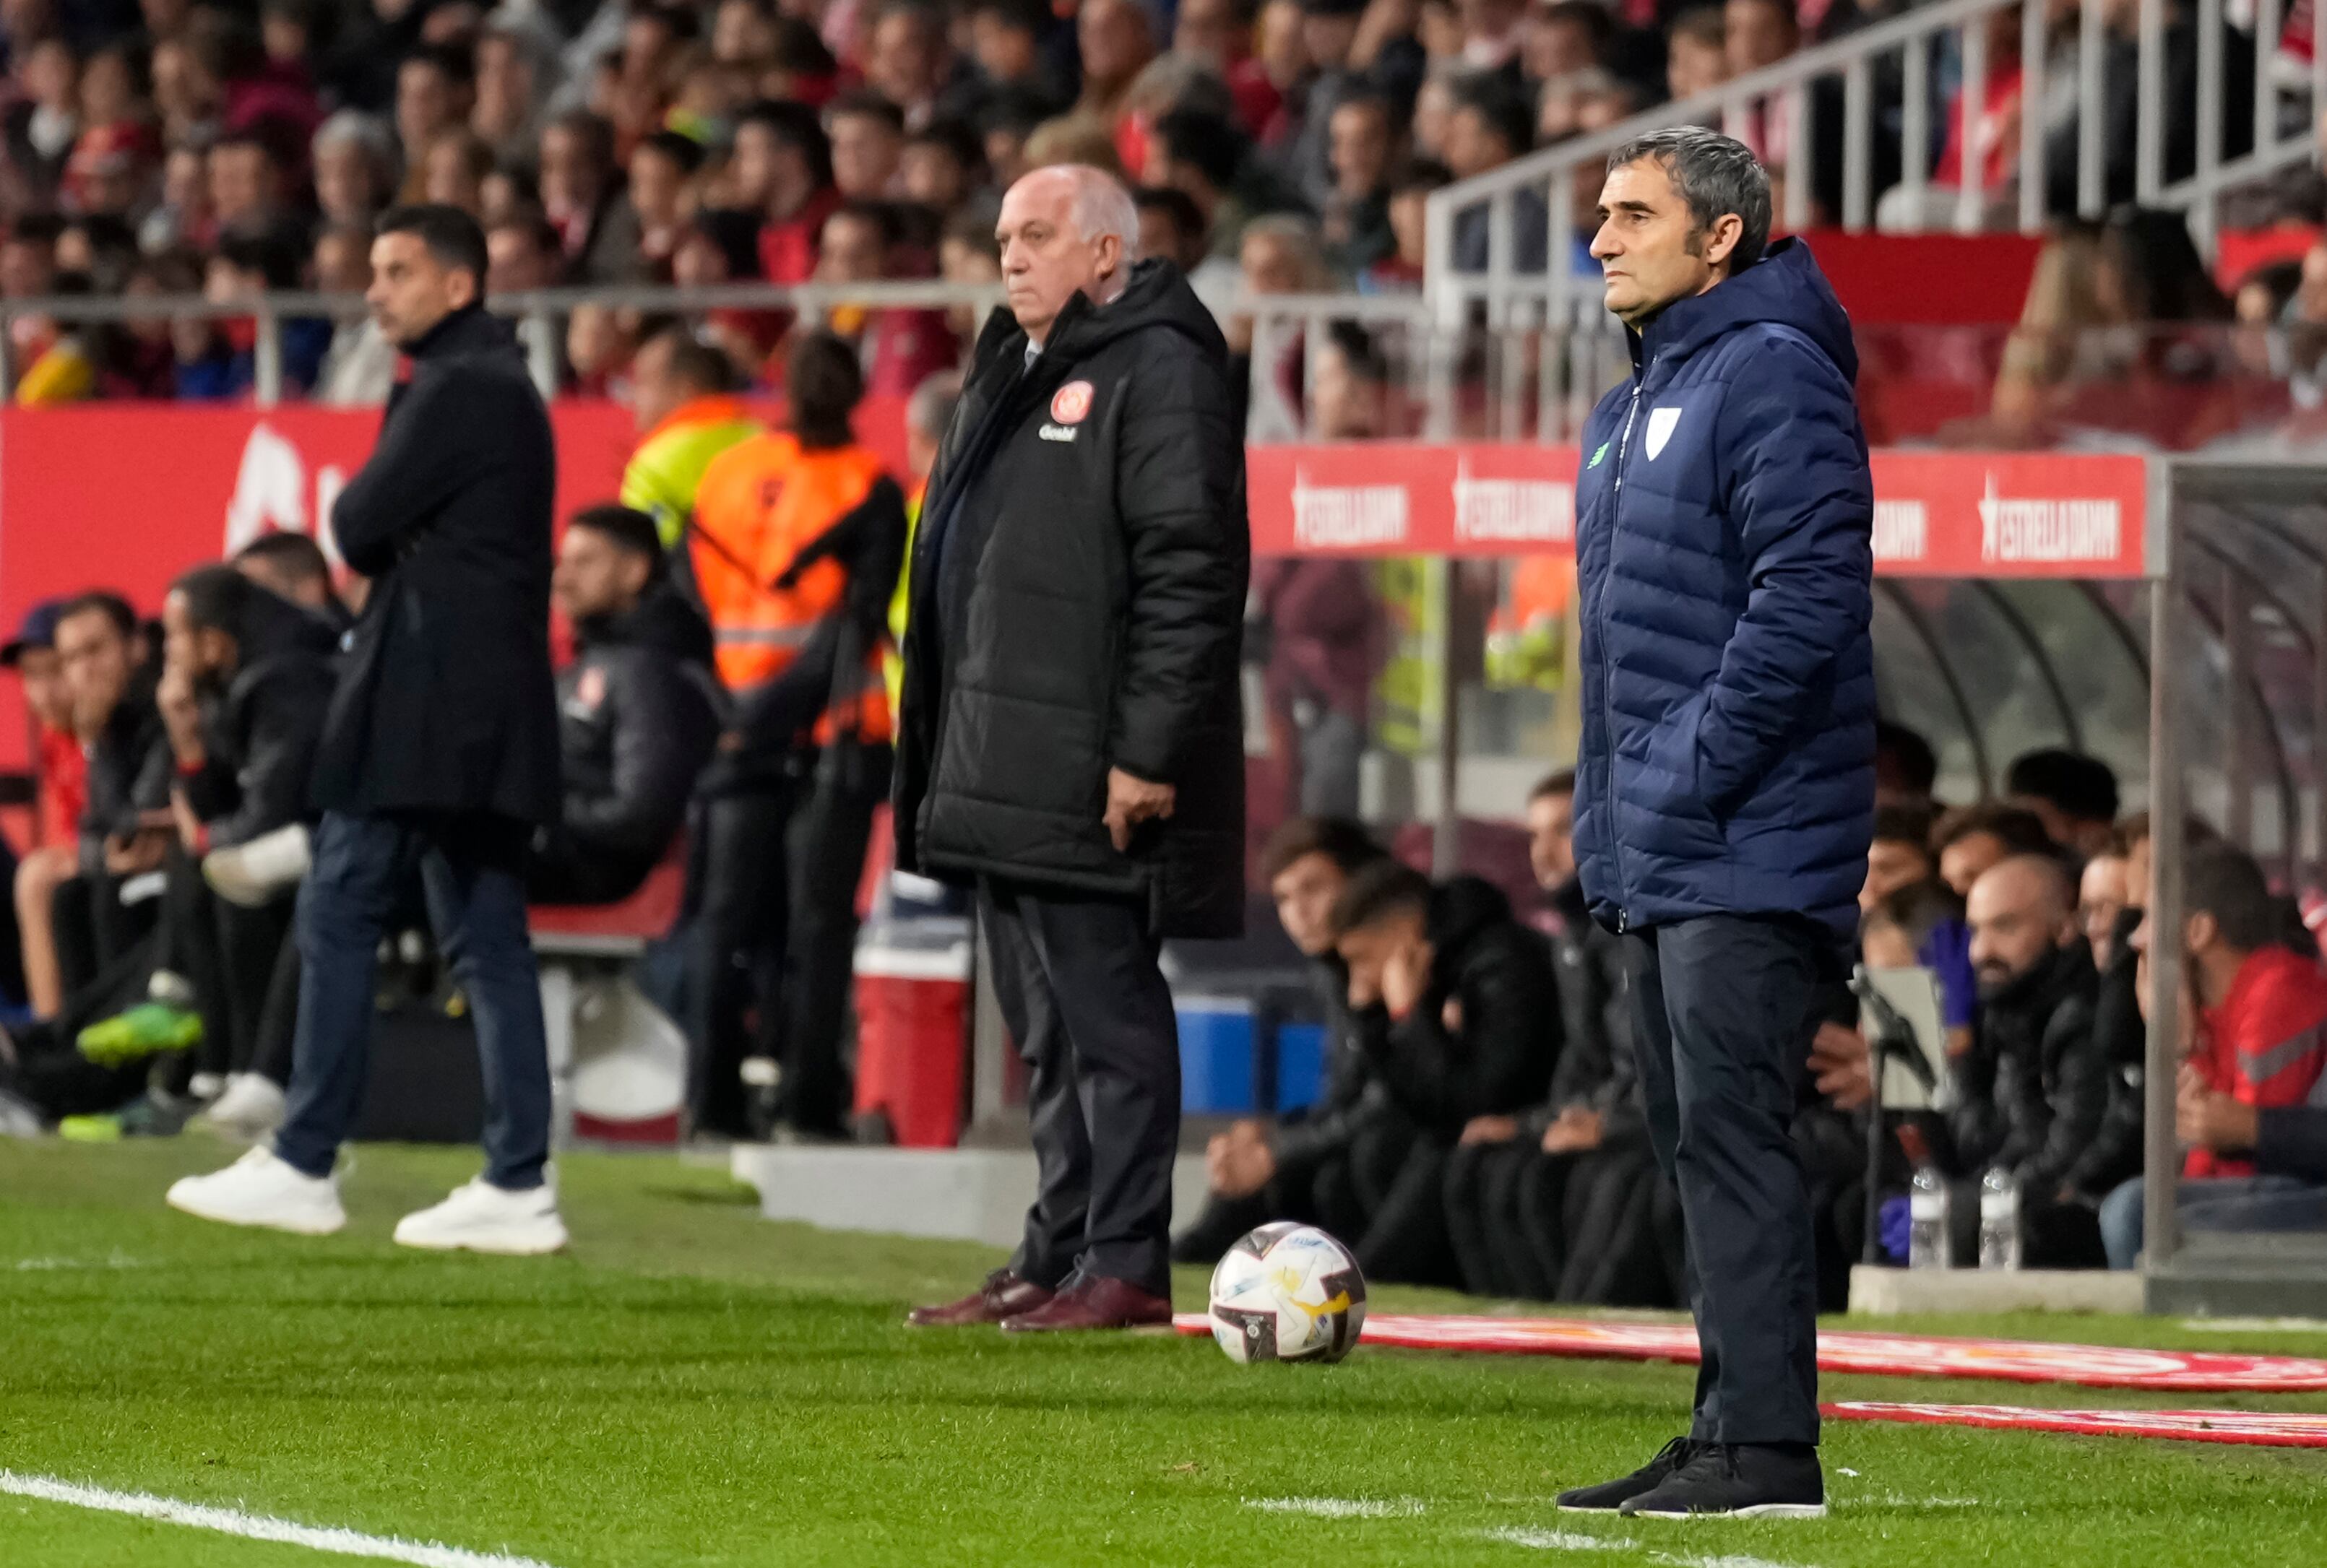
[(912, 1014)]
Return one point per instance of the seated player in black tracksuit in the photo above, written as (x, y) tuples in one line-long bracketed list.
[(1563, 1202), (1459, 1014), (638, 712), (1326, 1165)]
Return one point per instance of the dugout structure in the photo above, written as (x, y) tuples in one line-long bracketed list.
[(2168, 614)]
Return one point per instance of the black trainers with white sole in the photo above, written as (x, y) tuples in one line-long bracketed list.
[(1609, 1495), (1738, 1480)]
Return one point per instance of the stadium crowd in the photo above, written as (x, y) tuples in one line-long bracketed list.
[(174, 146)]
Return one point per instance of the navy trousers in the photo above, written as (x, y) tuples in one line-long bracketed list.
[(1725, 1006), (473, 868)]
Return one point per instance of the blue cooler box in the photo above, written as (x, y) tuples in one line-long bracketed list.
[(1300, 1065), (1215, 1046)]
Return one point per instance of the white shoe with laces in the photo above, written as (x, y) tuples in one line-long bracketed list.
[(483, 1218), (250, 1108), (262, 1189)]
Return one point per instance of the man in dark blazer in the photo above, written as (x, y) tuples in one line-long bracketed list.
[(440, 754), (1071, 739)]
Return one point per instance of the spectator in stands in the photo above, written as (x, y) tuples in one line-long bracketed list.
[(910, 61), (2102, 899), (359, 366), (1006, 42), (1906, 768), (868, 144), (942, 164), (1972, 839), (59, 770), (1171, 226), (354, 156), (781, 171), (2259, 1040), (247, 680), (1489, 126), (2178, 48), (638, 710), (2030, 1095), (459, 162), (1462, 1022), (900, 346), (1318, 1166), (1201, 154), (1409, 197), (658, 200), (1901, 855), (2074, 797), (247, 195), (578, 193), (683, 396), (436, 89), (1116, 39), (514, 76), (1356, 215)]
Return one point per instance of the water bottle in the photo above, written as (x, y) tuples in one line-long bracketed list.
[(1999, 1220), (1927, 1217)]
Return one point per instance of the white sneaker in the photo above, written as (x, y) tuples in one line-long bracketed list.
[(249, 1109), (483, 1218), (259, 1189)]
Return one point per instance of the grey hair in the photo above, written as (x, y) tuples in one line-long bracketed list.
[(366, 131), (1103, 206), (930, 409), (1715, 175)]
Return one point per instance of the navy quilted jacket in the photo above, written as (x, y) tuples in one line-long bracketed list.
[(1724, 516)]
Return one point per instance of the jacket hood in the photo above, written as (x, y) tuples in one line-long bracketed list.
[(470, 330), (1158, 295), (1784, 288), (1459, 909), (662, 620)]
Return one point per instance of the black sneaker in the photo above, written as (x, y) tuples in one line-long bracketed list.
[(1609, 1495), (1739, 1481)]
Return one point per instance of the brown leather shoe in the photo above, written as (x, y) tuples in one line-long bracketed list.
[(1094, 1303), (1003, 1294)]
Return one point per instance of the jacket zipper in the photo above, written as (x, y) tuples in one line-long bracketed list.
[(1607, 706)]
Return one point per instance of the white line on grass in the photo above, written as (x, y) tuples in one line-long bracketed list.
[(2255, 1325), (1337, 1508), (1730, 1560), (256, 1526), (1555, 1540)]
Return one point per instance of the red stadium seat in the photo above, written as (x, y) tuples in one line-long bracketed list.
[(621, 929)]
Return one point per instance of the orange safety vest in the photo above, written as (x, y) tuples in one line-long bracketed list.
[(761, 502)]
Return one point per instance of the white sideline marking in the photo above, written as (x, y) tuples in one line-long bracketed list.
[(47, 1265), (1336, 1507), (1555, 1540), (2255, 1325), (1732, 1561), (1902, 1500), (257, 1526)]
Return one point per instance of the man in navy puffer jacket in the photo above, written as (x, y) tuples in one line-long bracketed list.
[(1725, 778)]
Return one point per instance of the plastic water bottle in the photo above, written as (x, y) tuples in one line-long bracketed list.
[(1999, 1220), (1927, 1217)]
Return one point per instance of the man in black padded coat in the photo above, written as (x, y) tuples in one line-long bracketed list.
[(1071, 739), (440, 751)]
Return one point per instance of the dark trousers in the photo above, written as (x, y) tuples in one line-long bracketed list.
[(825, 857), (739, 951), (93, 928), (1484, 1187), (1079, 986), (227, 953), (473, 867), (1724, 1008)]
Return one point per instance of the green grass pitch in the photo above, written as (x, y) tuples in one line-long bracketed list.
[(695, 1387)]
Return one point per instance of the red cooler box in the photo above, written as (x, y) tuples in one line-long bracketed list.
[(912, 1017)]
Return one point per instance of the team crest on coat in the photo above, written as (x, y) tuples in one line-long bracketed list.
[(1660, 428), (1071, 403)]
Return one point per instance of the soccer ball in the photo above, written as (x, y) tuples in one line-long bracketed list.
[(1287, 1292)]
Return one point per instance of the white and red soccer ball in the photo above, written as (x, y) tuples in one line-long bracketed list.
[(1287, 1292)]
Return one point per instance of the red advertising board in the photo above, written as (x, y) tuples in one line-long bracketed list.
[(1936, 514), (128, 496)]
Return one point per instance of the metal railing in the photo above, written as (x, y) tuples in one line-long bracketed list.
[(1899, 52)]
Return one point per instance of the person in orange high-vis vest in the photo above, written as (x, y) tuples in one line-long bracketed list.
[(796, 542)]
